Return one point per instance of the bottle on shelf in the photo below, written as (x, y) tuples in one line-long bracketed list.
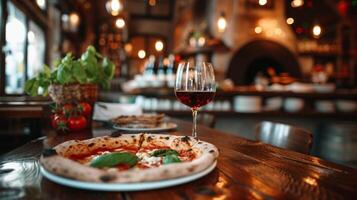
[(149, 73), (161, 69), (170, 76)]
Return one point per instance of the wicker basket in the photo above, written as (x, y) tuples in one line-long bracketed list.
[(73, 93)]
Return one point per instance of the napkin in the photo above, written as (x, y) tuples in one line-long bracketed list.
[(107, 111)]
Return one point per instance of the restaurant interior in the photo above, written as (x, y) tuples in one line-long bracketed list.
[(276, 62)]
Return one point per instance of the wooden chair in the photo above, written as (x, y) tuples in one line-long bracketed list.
[(206, 119), (284, 136)]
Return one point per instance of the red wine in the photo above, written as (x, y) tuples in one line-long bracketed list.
[(195, 99)]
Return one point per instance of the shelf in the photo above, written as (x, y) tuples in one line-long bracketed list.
[(169, 94), (271, 114), (320, 54)]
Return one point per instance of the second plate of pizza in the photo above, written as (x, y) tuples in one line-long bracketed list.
[(143, 123)]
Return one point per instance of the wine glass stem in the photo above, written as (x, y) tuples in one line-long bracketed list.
[(194, 126)]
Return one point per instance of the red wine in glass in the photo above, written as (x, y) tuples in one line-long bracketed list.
[(195, 99), (195, 86)]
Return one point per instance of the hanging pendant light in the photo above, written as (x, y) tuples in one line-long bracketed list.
[(222, 23), (114, 7)]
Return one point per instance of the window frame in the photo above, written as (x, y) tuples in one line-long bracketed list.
[(32, 13)]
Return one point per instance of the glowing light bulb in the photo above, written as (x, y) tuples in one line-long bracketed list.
[(128, 47), (114, 7), (201, 41), (120, 23), (263, 2), (152, 2), (258, 29), (141, 54), (290, 20), (159, 45), (222, 23), (316, 31), (297, 3), (41, 3)]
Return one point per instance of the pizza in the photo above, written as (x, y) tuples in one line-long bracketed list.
[(139, 121), (129, 158)]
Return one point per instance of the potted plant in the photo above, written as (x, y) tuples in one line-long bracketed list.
[(73, 83)]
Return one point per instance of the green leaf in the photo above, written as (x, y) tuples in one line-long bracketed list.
[(79, 73), (89, 61), (64, 74), (29, 86), (91, 49), (171, 159), (34, 89), (164, 152), (47, 71), (112, 159), (109, 68)]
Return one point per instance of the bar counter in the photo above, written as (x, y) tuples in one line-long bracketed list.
[(246, 170)]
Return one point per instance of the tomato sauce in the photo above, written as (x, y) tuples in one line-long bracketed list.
[(101, 151)]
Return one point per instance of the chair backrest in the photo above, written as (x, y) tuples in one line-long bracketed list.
[(284, 136), (206, 119)]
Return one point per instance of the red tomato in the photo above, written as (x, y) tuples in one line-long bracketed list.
[(67, 109), (58, 121), (85, 108), (76, 123)]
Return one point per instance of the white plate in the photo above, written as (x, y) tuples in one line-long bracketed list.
[(165, 126), (126, 186)]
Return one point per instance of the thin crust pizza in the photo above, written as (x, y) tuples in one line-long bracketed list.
[(129, 158)]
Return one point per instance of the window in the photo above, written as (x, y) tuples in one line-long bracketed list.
[(24, 50), (35, 49), (15, 36)]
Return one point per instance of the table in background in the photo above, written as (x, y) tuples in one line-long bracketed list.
[(246, 170)]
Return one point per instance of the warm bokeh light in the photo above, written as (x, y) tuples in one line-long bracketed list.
[(290, 20), (120, 23), (114, 7), (41, 3), (258, 29), (128, 48), (221, 23), (263, 2), (74, 19), (141, 53), (152, 2), (159, 45), (316, 31), (269, 27), (311, 181), (297, 3), (201, 41)]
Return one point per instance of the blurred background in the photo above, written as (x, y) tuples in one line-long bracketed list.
[(290, 61)]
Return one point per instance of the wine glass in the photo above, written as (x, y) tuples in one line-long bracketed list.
[(195, 86)]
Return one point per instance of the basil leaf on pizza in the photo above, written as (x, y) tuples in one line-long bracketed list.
[(112, 159), (164, 152), (171, 159)]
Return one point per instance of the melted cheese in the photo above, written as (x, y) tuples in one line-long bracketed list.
[(148, 160)]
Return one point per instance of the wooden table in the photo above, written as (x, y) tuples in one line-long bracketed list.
[(246, 170)]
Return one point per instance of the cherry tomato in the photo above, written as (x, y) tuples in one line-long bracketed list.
[(76, 123), (85, 108), (68, 109), (59, 122)]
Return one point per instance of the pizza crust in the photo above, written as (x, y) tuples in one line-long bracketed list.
[(60, 164)]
